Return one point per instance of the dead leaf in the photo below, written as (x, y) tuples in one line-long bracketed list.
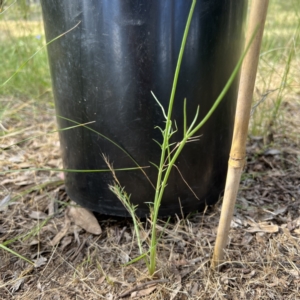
[(40, 261), (63, 231), (176, 291), (109, 296), (224, 279), (280, 210), (178, 278), (17, 285), (294, 273), (243, 202), (54, 163), (76, 230), (127, 236), (253, 229), (100, 280), (194, 289), (250, 275), (85, 219), (247, 239), (37, 215), (272, 214), (124, 257), (144, 235), (52, 207), (269, 228), (263, 227), (4, 202), (144, 292), (237, 222), (16, 159), (234, 224), (65, 242), (24, 165), (272, 152), (49, 227), (33, 242), (25, 182), (180, 262)]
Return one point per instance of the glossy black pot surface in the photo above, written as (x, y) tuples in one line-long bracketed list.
[(104, 70)]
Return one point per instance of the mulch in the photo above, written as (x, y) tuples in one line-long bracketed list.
[(262, 258)]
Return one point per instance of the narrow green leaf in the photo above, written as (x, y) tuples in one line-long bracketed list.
[(136, 259), (162, 108), (71, 170), (195, 120), (184, 117), (114, 143), (50, 132), (153, 164), (160, 146), (15, 253)]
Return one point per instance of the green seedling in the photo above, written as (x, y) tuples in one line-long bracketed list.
[(168, 156)]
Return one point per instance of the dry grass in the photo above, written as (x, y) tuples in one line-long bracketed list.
[(263, 259)]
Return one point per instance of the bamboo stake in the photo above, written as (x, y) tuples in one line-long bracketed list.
[(238, 147)]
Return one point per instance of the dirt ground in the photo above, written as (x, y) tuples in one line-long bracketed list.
[(262, 259)]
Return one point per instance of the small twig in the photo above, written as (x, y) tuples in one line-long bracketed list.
[(195, 260), (186, 182), (78, 250), (267, 162), (142, 286), (121, 234), (263, 98)]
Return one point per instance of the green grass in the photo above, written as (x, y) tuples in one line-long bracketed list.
[(33, 81), (278, 70), (21, 35)]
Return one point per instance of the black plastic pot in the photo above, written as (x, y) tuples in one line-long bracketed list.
[(104, 69)]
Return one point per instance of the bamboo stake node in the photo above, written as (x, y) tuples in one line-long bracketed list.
[(237, 162), (237, 156)]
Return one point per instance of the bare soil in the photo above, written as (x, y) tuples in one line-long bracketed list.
[(262, 258)]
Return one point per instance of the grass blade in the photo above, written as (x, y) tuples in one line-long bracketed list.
[(15, 254)]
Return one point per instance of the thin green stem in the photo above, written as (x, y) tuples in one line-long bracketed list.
[(114, 143), (207, 116), (49, 132), (166, 142), (70, 170), (188, 135), (184, 117)]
